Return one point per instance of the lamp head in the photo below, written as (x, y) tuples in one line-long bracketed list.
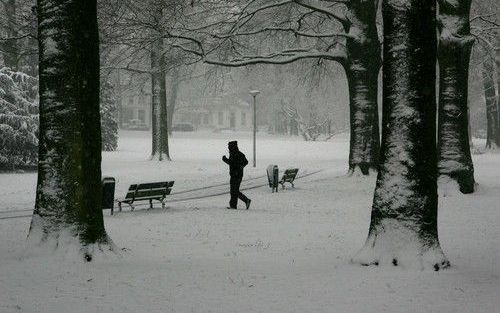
[(254, 92)]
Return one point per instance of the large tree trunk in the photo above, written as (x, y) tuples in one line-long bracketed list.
[(174, 83), (159, 113), (403, 226), (455, 44), (159, 118), (497, 68), (492, 131), (362, 67), (68, 196), (164, 153), (10, 46), (155, 104)]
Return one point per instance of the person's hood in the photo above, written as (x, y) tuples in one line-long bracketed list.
[(233, 146)]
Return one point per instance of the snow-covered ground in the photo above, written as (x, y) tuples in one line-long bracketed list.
[(289, 253)]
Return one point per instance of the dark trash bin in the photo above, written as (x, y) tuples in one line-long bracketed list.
[(272, 177), (108, 193)]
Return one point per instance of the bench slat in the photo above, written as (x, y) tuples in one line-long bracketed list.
[(150, 193), (153, 185), (149, 198)]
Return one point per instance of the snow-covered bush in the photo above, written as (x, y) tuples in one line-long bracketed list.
[(109, 125), (18, 120)]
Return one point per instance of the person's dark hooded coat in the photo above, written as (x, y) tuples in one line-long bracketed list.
[(236, 161)]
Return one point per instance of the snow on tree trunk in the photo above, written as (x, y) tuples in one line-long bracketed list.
[(492, 132), (68, 196), (455, 44), (364, 140), (403, 228), (362, 67)]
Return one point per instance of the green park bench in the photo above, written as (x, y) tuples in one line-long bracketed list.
[(289, 176), (147, 192)]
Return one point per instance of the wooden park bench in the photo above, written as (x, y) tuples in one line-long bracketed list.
[(150, 191), (289, 176)]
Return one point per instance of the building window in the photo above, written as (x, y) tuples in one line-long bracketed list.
[(141, 115), (128, 114), (243, 119), (131, 101), (205, 119), (221, 118)]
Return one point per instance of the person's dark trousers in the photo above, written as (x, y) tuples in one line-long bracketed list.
[(235, 183)]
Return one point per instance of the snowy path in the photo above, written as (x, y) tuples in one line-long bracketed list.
[(289, 253), (192, 194)]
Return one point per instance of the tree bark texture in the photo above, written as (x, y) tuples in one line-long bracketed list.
[(455, 45), (362, 67), (403, 226), (68, 196)]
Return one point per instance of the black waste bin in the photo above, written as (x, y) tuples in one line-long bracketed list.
[(108, 193), (272, 177)]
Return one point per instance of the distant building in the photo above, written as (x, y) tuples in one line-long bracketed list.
[(135, 109), (216, 113), (228, 112), (134, 97)]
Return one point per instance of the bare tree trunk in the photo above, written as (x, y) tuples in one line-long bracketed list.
[(155, 103), (403, 226), (364, 140), (10, 46), (497, 68), (492, 132), (68, 196), (469, 126), (173, 97), (159, 116), (164, 153), (455, 45), (362, 67)]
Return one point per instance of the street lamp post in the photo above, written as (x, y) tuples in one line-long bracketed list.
[(254, 94)]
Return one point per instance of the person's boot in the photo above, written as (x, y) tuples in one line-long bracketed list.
[(248, 203)]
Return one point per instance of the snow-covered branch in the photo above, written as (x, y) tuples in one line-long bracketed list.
[(318, 8)]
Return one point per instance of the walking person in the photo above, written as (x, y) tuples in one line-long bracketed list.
[(236, 161)]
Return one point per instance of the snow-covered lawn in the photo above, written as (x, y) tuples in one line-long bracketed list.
[(289, 253)]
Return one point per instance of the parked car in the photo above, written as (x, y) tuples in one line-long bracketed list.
[(183, 127), (135, 124)]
